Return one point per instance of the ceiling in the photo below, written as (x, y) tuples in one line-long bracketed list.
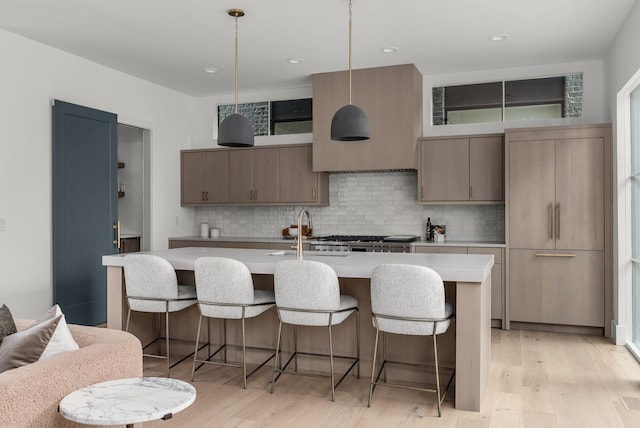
[(170, 42)]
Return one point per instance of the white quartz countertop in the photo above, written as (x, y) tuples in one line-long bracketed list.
[(451, 267), (490, 244)]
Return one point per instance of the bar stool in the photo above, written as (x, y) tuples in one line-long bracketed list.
[(408, 300), (308, 294), (152, 286), (225, 290)]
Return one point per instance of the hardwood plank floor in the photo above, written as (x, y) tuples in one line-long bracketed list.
[(537, 379)]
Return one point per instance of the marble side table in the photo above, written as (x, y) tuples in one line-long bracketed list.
[(127, 401)]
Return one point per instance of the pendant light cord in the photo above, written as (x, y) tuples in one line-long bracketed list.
[(349, 51), (236, 108)]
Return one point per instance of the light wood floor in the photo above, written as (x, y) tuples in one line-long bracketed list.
[(537, 380)]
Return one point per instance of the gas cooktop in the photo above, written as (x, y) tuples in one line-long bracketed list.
[(369, 238)]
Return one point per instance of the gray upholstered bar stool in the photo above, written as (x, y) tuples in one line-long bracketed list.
[(408, 300), (225, 290), (308, 294), (152, 286)]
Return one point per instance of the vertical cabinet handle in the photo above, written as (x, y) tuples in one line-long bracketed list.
[(116, 229), (550, 218), (314, 194), (558, 220)]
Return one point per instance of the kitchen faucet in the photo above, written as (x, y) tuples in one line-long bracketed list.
[(298, 243)]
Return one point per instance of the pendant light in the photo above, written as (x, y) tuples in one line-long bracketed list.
[(350, 122), (236, 130)]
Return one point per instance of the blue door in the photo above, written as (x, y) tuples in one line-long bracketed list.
[(85, 209)]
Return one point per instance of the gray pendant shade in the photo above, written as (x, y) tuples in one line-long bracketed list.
[(235, 131), (350, 123)]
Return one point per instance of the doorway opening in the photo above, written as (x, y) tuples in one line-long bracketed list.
[(134, 188)]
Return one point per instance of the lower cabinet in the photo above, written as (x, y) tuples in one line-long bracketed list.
[(555, 287), (497, 274), (129, 245)]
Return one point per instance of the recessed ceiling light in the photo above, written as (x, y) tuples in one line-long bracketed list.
[(211, 69), (499, 37), (295, 60), (389, 49)]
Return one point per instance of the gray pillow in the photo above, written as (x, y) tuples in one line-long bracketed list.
[(7, 326), (26, 346)]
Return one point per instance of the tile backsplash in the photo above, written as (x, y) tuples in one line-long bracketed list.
[(363, 204)]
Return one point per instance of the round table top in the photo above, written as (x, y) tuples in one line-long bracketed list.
[(127, 401)]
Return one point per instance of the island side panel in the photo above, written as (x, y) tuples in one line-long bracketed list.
[(116, 305), (473, 342)]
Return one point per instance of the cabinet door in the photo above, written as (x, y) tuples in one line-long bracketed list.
[(496, 278), (445, 170), (486, 169), (298, 183), (241, 175), (557, 290), (532, 194), (266, 175), (217, 177), (579, 210), (193, 182)]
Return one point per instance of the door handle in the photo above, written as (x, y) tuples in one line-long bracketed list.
[(558, 220), (550, 218), (116, 229), (555, 255)]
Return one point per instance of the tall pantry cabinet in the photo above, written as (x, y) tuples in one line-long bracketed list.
[(559, 227)]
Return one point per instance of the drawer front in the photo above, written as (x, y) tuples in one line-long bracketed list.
[(250, 245), (557, 287)]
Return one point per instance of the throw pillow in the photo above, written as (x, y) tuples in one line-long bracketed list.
[(62, 340), (7, 326), (26, 346)]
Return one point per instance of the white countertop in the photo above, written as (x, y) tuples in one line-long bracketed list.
[(490, 244), (451, 267)]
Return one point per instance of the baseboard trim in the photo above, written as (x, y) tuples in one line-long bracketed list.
[(558, 328)]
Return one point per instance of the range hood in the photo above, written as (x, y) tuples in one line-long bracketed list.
[(392, 98)]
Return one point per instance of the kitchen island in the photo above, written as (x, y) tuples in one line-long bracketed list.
[(469, 344)]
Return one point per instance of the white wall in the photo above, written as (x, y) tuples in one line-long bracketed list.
[(31, 76), (623, 62)]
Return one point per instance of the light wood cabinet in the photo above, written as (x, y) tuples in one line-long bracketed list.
[(557, 194), (298, 183), (556, 287), (274, 175), (466, 170), (559, 226), (497, 273), (254, 175), (497, 280), (204, 177), (391, 97)]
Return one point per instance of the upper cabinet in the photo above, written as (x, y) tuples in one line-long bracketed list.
[(274, 175), (466, 170), (204, 177), (391, 97), (253, 175), (298, 183)]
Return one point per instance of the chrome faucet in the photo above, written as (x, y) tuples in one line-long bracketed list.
[(298, 242)]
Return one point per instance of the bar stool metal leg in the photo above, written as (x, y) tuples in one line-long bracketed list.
[(275, 366)]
